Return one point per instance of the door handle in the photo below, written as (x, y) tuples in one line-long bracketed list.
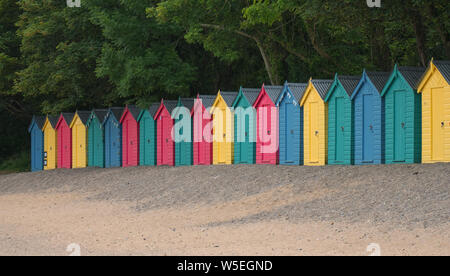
[(403, 125), (317, 132), (442, 124), (371, 127), (342, 128), (148, 141)]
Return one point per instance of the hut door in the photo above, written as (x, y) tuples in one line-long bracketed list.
[(399, 126), (438, 124), (108, 145), (340, 130), (266, 127), (223, 145), (289, 132), (368, 129), (164, 143), (314, 132), (125, 143), (244, 143)]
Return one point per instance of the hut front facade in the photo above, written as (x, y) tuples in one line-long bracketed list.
[(340, 120), (245, 126), (64, 133), (403, 116), (183, 132), (291, 124), (130, 136), (435, 90), (202, 130), (267, 146), (369, 118), (96, 141), (37, 143), (147, 139), (223, 128), (113, 137), (165, 147), (50, 143), (315, 122), (79, 139)]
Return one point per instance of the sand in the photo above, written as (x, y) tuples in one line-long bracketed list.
[(228, 210)]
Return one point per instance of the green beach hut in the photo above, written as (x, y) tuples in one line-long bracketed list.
[(403, 116), (340, 120), (245, 126), (96, 142), (147, 133), (183, 132)]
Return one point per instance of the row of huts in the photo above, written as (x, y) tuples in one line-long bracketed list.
[(401, 116)]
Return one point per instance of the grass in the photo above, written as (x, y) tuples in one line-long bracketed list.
[(16, 163)]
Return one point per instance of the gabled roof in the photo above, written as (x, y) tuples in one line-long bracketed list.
[(38, 120), (322, 87), (250, 94), (134, 111), (378, 79), (114, 112), (273, 92), (53, 120), (83, 115), (349, 83), (297, 89), (444, 67), (170, 105), (412, 76), (187, 102), (228, 97), (100, 114), (207, 100), (66, 117), (153, 109)]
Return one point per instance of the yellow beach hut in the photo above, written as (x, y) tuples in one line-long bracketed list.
[(315, 122), (435, 89), (223, 128), (50, 142), (79, 139)]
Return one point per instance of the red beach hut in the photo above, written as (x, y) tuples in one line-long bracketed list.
[(64, 133), (165, 146), (267, 125), (130, 136), (202, 130)]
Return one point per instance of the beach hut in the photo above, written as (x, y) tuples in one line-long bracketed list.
[(183, 132), (403, 116), (315, 112), (340, 120), (291, 124), (96, 140), (147, 139), (165, 147), (223, 121), (79, 139), (369, 118), (130, 136), (37, 143), (245, 126), (113, 137), (64, 133), (202, 130), (50, 142), (267, 125), (435, 89)]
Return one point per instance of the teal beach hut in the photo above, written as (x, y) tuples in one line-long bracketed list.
[(245, 126), (96, 138), (403, 116), (340, 120), (147, 132), (183, 132)]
